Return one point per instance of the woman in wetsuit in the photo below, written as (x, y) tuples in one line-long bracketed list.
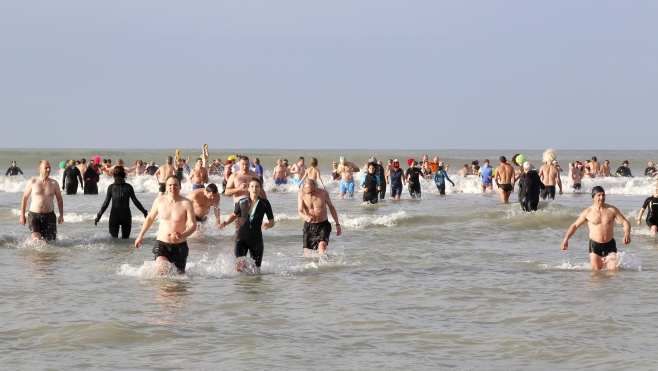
[(531, 186), (371, 184), (70, 179), (120, 193), (312, 173), (182, 165), (252, 210), (91, 180)]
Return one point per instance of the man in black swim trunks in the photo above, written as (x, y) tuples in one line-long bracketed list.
[(202, 199), (163, 173), (41, 218), (177, 222), (601, 220), (312, 206)]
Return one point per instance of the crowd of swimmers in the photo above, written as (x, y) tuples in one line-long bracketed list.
[(243, 180)]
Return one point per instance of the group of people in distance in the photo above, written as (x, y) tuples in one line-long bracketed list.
[(181, 216)]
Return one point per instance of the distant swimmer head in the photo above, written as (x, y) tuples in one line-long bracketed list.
[(169, 159), (518, 159), (527, 166), (396, 163), (62, 165), (596, 190), (341, 159), (548, 156), (373, 159)]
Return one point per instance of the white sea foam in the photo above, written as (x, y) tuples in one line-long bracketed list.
[(625, 261)]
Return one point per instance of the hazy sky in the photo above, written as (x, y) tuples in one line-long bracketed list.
[(329, 74)]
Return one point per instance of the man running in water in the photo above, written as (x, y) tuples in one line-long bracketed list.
[(163, 173), (549, 175), (397, 179), (298, 171), (237, 184), (249, 239), (280, 173), (13, 170), (600, 218), (202, 199), (70, 179), (198, 175), (177, 222), (652, 215), (346, 170), (41, 218), (504, 175), (312, 205), (487, 173)]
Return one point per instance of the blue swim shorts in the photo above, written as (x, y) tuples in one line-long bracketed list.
[(347, 187)]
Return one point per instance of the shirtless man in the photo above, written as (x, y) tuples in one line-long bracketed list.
[(82, 166), (605, 169), (346, 170), (549, 175), (280, 173), (41, 217), (202, 199), (237, 184), (576, 174), (595, 166), (298, 171), (312, 205), (504, 176), (199, 175), (600, 218), (177, 222), (163, 173)]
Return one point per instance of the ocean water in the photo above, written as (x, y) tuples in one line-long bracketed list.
[(459, 281)]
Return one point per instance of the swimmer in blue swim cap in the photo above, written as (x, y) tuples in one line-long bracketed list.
[(601, 220)]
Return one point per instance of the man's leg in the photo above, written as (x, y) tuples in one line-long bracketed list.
[(322, 248), (163, 265), (596, 261), (611, 261)]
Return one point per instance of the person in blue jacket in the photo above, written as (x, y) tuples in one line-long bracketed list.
[(370, 184), (487, 173), (440, 177)]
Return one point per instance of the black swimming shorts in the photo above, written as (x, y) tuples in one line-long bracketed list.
[(575, 186), (548, 191), (256, 252), (201, 220), (602, 249), (505, 187), (163, 187), (45, 224), (651, 222), (314, 233), (174, 252)]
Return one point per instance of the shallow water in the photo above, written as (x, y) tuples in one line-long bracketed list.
[(459, 281)]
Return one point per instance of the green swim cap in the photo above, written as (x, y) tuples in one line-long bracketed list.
[(62, 165), (520, 159)]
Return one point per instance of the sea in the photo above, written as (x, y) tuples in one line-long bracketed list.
[(459, 281)]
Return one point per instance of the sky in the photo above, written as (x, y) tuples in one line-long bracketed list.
[(329, 74)]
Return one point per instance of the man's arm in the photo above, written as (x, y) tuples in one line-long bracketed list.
[(26, 196), (559, 181), (156, 174), (230, 189), (60, 203), (217, 211), (333, 212), (302, 210), (627, 226), (148, 222), (191, 219), (8, 171), (572, 229)]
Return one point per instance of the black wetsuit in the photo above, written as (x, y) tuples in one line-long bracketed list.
[(370, 183), (531, 186), (413, 177), (151, 169), (91, 181), (652, 215), (250, 235), (120, 193), (70, 180), (382, 182), (649, 171), (624, 171), (179, 173), (14, 170)]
